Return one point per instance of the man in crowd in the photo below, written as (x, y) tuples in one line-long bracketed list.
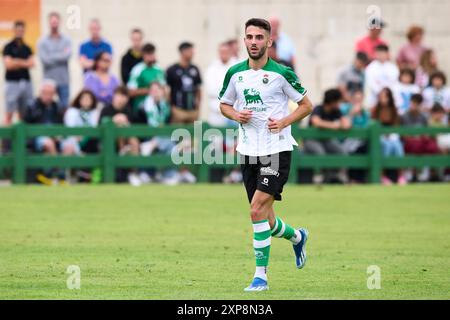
[(133, 56), (368, 43), (55, 50), (96, 44), (18, 60), (285, 46), (351, 78), (184, 81)]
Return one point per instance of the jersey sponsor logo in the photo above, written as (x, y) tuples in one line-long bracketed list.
[(252, 96), (269, 171)]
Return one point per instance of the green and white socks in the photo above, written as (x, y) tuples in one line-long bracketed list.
[(261, 245), (283, 230)]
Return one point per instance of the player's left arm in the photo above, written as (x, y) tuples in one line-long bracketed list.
[(303, 109)]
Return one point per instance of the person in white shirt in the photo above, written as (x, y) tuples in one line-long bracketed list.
[(213, 81), (380, 73), (437, 92), (404, 89)]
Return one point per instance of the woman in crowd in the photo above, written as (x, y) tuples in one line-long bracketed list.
[(428, 65)]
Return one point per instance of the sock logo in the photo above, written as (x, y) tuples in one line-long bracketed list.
[(259, 255)]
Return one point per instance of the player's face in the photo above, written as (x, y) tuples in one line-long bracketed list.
[(257, 40)]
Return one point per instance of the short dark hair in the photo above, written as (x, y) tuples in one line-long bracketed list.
[(136, 30), (417, 98), (121, 90), (185, 45), (438, 74), (332, 95), (148, 48), (409, 72), (260, 23), (382, 47), (77, 101), (19, 23), (362, 56), (437, 107)]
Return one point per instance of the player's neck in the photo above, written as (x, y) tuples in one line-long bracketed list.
[(258, 64)]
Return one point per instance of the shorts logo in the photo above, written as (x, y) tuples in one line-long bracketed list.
[(269, 171), (265, 182)]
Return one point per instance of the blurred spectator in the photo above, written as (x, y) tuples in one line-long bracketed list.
[(437, 92), (82, 113), (285, 46), (414, 117), (380, 73), (120, 113), (46, 111), (18, 59), (214, 76), (92, 47), (235, 50), (133, 56), (439, 119), (427, 66), (351, 78), (274, 56), (328, 116), (54, 51), (372, 40), (99, 80), (143, 74), (386, 113), (184, 81), (404, 89), (409, 55)]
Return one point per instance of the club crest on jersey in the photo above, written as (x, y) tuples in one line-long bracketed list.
[(265, 79), (252, 96)]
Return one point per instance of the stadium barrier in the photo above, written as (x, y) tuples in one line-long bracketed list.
[(19, 160)]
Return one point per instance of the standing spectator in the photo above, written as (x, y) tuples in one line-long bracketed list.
[(235, 50), (427, 66), (92, 47), (409, 55), (351, 78), (437, 92), (143, 74), (380, 73), (214, 76), (184, 81), (404, 90), (18, 59), (99, 80), (386, 113), (328, 116), (285, 46), (133, 56), (120, 113), (55, 50), (372, 40), (274, 56)]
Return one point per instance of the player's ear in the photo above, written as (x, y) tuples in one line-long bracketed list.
[(270, 42)]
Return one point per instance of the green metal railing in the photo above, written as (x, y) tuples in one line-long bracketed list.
[(19, 160)]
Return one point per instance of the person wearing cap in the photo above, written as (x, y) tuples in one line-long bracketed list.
[(368, 43)]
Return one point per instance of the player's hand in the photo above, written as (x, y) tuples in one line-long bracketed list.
[(275, 126), (244, 116)]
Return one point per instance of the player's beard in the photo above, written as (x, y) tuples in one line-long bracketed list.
[(257, 56)]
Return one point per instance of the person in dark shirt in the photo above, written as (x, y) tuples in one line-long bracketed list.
[(133, 56), (18, 59), (184, 81), (328, 116)]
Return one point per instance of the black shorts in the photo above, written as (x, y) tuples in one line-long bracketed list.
[(266, 173)]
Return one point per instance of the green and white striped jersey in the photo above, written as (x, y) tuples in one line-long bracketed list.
[(266, 92)]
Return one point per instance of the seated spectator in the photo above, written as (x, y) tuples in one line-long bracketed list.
[(404, 89), (428, 65), (120, 113), (143, 74), (184, 81), (368, 43), (385, 112), (46, 111), (133, 56), (82, 113), (328, 116), (409, 55), (351, 78), (439, 119), (99, 80), (380, 73), (437, 92), (92, 47)]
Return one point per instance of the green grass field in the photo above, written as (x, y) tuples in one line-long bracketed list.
[(194, 242)]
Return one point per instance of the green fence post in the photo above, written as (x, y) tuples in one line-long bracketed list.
[(108, 152), (375, 153), (18, 148)]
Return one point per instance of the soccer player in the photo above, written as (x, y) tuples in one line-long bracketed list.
[(260, 89)]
